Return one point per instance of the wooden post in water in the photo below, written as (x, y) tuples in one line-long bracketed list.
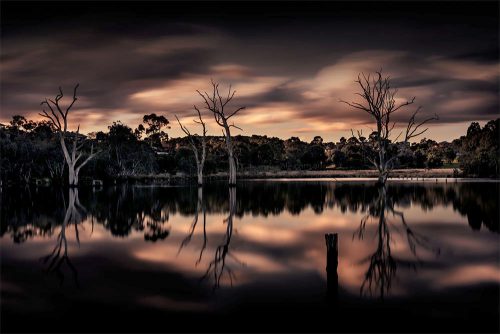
[(332, 278)]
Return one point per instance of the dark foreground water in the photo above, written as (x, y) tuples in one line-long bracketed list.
[(414, 257)]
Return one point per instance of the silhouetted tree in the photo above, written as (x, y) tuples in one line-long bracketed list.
[(480, 150), (154, 130), (379, 101)]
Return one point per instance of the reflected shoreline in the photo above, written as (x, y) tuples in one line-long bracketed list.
[(122, 209)]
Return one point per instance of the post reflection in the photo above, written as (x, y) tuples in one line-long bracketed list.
[(332, 277)]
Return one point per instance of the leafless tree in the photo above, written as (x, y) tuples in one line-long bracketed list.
[(198, 156), (58, 116), (217, 104), (379, 101)]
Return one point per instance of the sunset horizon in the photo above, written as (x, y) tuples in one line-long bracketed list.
[(286, 71)]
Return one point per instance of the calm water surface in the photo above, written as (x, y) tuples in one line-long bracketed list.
[(411, 257)]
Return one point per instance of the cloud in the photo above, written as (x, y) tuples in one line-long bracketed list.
[(451, 88), (290, 80)]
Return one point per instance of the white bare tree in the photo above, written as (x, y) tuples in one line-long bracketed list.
[(58, 116), (217, 104), (193, 138)]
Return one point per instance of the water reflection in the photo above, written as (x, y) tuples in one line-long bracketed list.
[(382, 265), (218, 266), (200, 207), (123, 209), (168, 248), (75, 214), (127, 210)]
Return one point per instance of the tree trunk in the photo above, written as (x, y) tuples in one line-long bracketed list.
[(200, 175), (73, 175), (199, 166), (232, 203), (382, 178), (232, 170), (70, 161)]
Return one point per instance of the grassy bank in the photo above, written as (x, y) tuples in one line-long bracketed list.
[(399, 173), (277, 174)]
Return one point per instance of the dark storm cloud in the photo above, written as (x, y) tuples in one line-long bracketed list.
[(291, 64), (488, 55), (109, 68)]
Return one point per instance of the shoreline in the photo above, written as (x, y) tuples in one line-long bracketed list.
[(435, 175), (362, 173), (444, 175)]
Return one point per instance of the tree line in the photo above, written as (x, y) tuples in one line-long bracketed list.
[(31, 149)]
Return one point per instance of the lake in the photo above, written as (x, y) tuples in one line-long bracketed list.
[(410, 257)]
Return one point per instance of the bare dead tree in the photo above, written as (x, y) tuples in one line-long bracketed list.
[(58, 116), (198, 156), (379, 101), (217, 104)]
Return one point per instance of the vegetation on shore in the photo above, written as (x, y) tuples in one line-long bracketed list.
[(31, 150)]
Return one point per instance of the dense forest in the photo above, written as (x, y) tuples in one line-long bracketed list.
[(30, 150)]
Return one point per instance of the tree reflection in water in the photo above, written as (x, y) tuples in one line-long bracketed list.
[(75, 215), (200, 206), (218, 266), (124, 209), (382, 264)]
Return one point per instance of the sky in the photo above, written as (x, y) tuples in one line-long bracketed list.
[(290, 63)]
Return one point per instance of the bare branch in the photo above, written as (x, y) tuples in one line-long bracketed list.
[(234, 126), (412, 129), (234, 112), (74, 98)]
